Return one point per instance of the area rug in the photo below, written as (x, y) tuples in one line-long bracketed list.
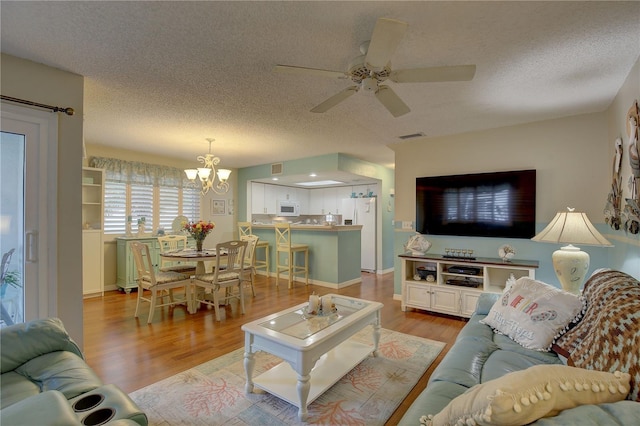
[(213, 393)]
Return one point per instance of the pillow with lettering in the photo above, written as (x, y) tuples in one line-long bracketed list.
[(534, 314)]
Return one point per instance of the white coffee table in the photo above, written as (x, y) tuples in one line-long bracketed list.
[(305, 343)]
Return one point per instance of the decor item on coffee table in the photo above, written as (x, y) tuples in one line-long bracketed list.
[(570, 263)]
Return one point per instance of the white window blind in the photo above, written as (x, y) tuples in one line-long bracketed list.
[(191, 203), (169, 206), (137, 190), (142, 206), (115, 207)]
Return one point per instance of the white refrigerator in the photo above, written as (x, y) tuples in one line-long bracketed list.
[(362, 211)]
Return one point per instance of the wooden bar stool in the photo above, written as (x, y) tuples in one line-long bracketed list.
[(284, 245), (244, 229)]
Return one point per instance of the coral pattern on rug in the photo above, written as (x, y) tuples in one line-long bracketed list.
[(213, 393)]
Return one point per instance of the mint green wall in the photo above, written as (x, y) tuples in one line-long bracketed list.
[(326, 163)]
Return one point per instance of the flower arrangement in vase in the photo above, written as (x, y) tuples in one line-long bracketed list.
[(199, 231)]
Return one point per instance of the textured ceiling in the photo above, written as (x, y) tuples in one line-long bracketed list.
[(163, 76)]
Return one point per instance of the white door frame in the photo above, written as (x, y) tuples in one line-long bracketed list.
[(41, 188)]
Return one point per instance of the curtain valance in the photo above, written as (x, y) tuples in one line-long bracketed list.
[(144, 173)]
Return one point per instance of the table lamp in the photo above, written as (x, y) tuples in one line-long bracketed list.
[(570, 263)]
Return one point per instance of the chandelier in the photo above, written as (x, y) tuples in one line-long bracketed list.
[(208, 173)]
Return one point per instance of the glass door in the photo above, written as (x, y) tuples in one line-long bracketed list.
[(12, 153), (27, 290)]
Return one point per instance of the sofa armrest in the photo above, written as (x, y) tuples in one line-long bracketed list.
[(46, 408), (23, 342), (485, 303)]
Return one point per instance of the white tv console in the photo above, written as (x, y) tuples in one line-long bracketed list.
[(453, 291)]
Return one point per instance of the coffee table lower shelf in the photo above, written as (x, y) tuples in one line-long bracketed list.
[(281, 380)]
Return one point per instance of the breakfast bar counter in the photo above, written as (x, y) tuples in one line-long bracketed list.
[(334, 251)]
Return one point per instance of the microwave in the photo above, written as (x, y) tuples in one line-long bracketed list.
[(288, 208)]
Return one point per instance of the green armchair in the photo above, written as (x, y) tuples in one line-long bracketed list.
[(46, 381)]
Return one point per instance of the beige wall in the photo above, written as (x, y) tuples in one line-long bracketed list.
[(225, 225), (39, 83), (567, 154), (626, 253)]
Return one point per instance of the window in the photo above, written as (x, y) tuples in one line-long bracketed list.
[(137, 190), (115, 207)]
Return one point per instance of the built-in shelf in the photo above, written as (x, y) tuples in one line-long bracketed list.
[(92, 226), (453, 285)]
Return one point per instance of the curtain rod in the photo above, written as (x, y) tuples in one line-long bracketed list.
[(68, 111)]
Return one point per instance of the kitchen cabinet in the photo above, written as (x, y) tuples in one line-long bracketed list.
[(263, 198), (303, 198), (456, 284), (324, 201), (127, 273), (92, 227)]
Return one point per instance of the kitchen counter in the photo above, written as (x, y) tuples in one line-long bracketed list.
[(312, 227), (334, 251)]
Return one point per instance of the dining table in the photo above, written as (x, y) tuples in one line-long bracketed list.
[(191, 255)]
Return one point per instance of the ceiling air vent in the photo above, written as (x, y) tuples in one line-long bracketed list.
[(276, 169), (411, 136)]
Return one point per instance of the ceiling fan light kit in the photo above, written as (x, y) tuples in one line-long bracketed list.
[(374, 67)]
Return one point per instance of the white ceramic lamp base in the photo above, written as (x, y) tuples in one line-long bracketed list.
[(571, 265)]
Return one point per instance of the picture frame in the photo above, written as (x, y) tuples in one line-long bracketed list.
[(218, 207)]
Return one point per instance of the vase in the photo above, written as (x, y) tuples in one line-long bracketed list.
[(199, 245)]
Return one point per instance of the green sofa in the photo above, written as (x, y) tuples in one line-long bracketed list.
[(45, 381), (607, 334)]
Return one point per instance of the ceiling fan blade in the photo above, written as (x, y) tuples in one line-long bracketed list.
[(335, 99), (434, 74), (384, 42), (289, 69), (391, 101)]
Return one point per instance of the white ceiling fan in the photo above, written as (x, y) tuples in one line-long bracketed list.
[(373, 67)]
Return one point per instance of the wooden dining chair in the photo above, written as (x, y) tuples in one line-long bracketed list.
[(227, 273), (244, 228), (285, 246), (173, 243), (154, 282), (249, 268)]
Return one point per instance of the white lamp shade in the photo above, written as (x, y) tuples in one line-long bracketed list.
[(204, 173), (571, 228), (191, 173), (223, 174)]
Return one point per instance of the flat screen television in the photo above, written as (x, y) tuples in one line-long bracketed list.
[(499, 204)]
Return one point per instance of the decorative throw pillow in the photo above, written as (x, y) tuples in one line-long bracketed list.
[(524, 396), (533, 313)]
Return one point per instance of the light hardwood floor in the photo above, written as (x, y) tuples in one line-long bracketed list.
[(132, 354)]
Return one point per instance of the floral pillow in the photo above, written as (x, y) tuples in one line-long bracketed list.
[(533, 313), (524, 396)]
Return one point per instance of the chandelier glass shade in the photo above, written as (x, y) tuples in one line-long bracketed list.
[(216, 180)]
